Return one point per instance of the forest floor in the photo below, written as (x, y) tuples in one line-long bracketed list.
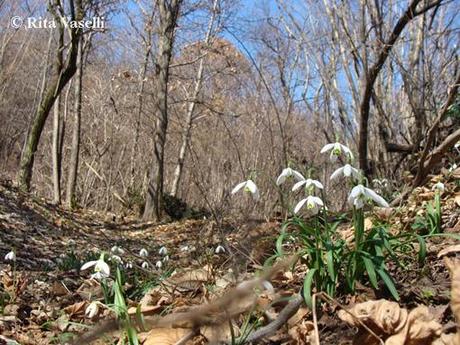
[(44, 295)]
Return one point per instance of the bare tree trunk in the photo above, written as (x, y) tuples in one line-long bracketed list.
[(140, 96), (75, 151), (169, 12), (56, 153), (61, 77), (371, 74), (191, 107)]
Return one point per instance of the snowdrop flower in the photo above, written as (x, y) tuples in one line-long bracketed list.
[(166, 258), (184, 248), (360, 195), (453, 167), (92, 309), (439, 187), (308, 183), (117, 250), (313, 204), (101, 269), (11, 256), (163, 251), (117, 259), (143, 252), (336, 150), (145, 265), (129, 265), (250, 187), (347, 170), (287, 173), (159, 264), (219, 249)]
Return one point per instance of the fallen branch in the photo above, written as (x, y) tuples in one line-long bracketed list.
[(276, 324)]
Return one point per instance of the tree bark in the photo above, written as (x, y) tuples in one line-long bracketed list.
[(61, 77), (56, 152), (168, 14), (75, 150), (191, 107)]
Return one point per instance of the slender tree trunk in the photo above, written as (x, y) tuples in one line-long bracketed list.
[(75, 151), (191, 108), (140, 96), (169, 11), (56, 153), (60, 78)]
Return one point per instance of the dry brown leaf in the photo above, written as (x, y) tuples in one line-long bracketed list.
[(449, 250), (384, 315), (76, 309), (165, 336)]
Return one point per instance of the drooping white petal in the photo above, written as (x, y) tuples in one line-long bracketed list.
[(143, 252), (299, 205), (159, 264), (337, 173), (238, 187), (283, 176), (317, 184), (439, 187), (347, 151), (377, 198), (316, 200), (145, 265), (163, 251), (298, 176), (327, 147), (219, 249), (88, 265), (117, 259), (251, 186), (102, 267), (298, 185), (92, 309), (10, 256), (347, 170)]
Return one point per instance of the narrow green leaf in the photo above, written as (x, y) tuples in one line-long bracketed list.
[(422, 249), (388, 282), (307, 286), (330, 264), (370, 268)]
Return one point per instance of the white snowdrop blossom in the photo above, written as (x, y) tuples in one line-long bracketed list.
[(219, 249), (166, 258), (313, 204), (117, 259), (308, 183), (129, 265), (163, 251), (287, 173), (359, 195), (145, 265), (92, 310), (439, 187), (347, 171), (143, 252), (184, 248), (101, 269), (336, 150), (10, 256), (248, 186), (117, 250), (159, 264), (453, 167)]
